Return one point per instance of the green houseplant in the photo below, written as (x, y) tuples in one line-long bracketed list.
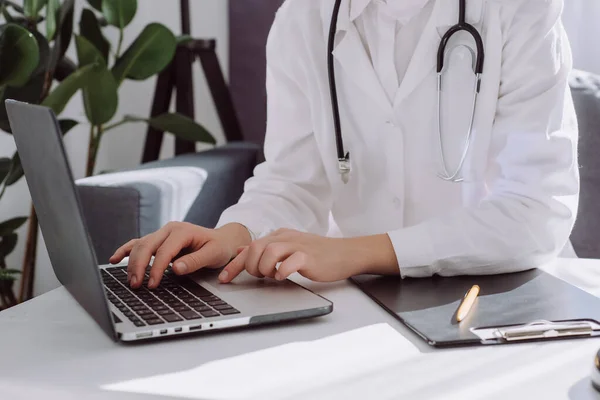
[(34, 38)]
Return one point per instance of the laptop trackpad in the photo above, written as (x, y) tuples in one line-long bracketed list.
[(244, 281)]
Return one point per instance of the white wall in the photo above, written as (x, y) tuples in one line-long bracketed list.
[(581, 22), (122, 147)]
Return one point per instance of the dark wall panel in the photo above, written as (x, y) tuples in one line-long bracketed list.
[(249, 24)]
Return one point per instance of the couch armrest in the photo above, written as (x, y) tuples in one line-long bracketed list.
[(195, 188)]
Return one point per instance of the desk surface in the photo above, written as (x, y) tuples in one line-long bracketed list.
[(49, 345)]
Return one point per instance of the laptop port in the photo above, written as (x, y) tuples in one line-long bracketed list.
[(143, 335), (195, 328), (163, 331), (177, 330)]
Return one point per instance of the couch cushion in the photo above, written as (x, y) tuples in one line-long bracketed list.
[(586, 95)]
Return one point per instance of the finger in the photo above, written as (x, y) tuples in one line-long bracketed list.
[(291, 265), (255, 252), (240, 249), (167, 251), (140, 255), (210, 255), (235, 267), (274, 253), (122, 252)]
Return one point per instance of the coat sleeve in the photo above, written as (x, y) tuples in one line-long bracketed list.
[(290, 189), (533, 179)]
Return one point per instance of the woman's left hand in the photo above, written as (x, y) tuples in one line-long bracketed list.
[(317, 258)]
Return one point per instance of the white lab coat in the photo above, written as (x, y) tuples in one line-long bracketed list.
[(515, 209)]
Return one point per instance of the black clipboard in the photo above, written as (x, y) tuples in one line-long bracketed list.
[(520, 307)]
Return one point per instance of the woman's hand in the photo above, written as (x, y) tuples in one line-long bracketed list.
[(315, 257), (203, 248)]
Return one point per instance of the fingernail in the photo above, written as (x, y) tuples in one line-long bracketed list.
[(180, 268), (151, 282), (278, 276), (224, 275), (133, 280)]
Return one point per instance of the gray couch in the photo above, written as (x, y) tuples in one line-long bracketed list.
[(113, 213)]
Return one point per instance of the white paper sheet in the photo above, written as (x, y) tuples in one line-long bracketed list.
[(284, 371)]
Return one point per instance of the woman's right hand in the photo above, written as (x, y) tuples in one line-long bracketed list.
[(201, 248)]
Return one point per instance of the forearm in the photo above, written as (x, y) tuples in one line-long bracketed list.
[(372, 255)]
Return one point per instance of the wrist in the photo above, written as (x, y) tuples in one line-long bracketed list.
[(236, 235), (372, 255)]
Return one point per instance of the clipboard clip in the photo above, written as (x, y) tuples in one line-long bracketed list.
[(545, 330)]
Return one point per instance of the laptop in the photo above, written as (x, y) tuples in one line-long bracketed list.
[(180, 305)]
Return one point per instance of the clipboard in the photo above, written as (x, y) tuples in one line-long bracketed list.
[(511, 308)]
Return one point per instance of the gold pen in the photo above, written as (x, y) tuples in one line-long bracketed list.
[(467, 303)]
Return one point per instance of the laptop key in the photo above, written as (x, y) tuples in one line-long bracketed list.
[(172, 318), (194, 288), (209, 314), (223, 307), (159, 307), (216, 303), (190, 315), (181, 308), (144, 312), (154, 321), (147, 317), (230, 311), (139, 323), (165, 312), (203, 308)]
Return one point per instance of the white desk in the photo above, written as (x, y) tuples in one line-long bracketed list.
[(49, 348)]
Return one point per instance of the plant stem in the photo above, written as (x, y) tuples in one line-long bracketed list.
[(93, 149), (116, 124), (91, 161), (118, 53)]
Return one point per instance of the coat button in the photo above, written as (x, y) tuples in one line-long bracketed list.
[(397, 202)]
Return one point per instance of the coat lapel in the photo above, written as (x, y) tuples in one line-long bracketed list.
[(424, 61), (353, 62)]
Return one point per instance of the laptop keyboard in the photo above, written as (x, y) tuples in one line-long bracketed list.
[(174, 300)]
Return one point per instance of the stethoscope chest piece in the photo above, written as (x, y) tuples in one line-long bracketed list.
[(345, 168)]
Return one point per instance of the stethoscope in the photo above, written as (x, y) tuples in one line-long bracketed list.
[(462, 26)]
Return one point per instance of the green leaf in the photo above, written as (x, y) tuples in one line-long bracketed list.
[(89, 28), (52, 18), (64, 33), (33, 7), (100, 93), (19, 55), (30, 93), (87, 53), (4, 168), (119, 13), (97, 4), (183, 127), (66, 125), (7, 245), (8, 227), (58, 99), (149, 54), (100, 96), (44, 54), (16, 171)]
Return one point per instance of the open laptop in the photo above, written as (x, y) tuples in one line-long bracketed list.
[(180, 305)]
